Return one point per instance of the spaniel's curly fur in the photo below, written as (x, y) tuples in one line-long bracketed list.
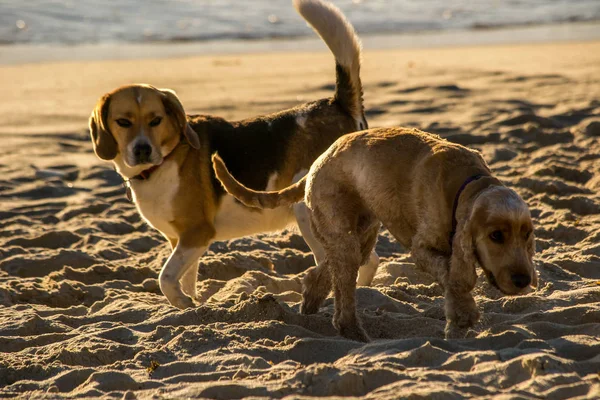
[(409, 181)]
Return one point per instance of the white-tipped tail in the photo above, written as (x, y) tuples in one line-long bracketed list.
[(339, 35), (333, 27)]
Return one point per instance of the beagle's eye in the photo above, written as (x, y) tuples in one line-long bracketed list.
[(497, 236), (155, 122), (124, 123)]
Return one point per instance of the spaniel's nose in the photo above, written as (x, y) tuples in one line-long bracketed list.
[(520, 280)]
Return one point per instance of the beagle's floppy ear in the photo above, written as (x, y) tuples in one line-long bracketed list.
[(175, 109), (104, 143)]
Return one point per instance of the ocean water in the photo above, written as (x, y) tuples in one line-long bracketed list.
[(138, 21)]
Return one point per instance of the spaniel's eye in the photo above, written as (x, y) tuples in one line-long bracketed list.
[(497, 236), (124, 123), (156, 121), (528, 235)]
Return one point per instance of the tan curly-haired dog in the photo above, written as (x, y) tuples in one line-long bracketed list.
[(435, 197)]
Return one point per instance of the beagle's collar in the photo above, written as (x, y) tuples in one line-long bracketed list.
[(455, 205), (145, 174)]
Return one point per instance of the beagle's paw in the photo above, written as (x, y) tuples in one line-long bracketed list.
[(191, 293), (182, 302)]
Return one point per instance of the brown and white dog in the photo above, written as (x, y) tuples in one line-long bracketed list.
[(165, 155), (435, 197)]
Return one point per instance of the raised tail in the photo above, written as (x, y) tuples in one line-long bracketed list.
[(255, 198), (339, 35)]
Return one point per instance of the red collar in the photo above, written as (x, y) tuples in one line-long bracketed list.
[(145, 174)]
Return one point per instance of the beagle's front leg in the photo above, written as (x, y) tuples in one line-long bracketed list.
[(189, 279), (183, 263)]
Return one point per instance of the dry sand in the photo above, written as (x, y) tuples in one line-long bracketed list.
[(81, 314)]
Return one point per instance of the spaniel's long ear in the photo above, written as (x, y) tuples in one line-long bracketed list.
[(463, 273), (175, 110), (104, 143)]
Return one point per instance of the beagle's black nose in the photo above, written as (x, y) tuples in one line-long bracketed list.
[(142, 152), (520, 280)]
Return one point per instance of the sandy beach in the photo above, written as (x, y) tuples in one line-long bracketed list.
[(81, 314)]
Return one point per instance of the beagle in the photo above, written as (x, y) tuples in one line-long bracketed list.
[(437, 198), (164, 155)]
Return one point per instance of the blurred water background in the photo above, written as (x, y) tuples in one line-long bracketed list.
[(142, 21)]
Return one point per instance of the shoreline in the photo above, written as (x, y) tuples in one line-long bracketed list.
[(55, 97), (42, 53)]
